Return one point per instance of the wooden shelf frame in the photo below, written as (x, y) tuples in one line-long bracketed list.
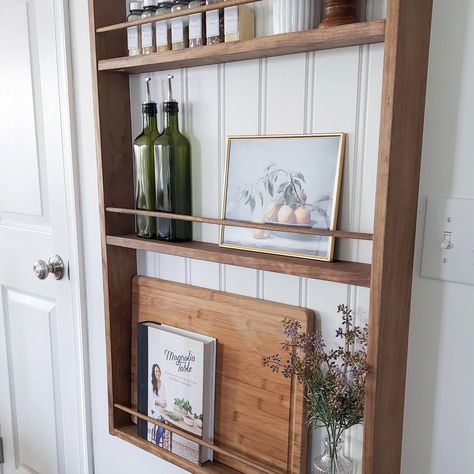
[(406, 33), (370, 32)]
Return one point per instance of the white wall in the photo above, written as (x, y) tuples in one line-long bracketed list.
[(326, 91), (439, 430)]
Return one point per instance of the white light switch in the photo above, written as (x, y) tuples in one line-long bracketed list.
[(448, 242)]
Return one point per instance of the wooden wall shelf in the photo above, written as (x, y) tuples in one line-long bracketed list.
[(406, 34), (268, 46), (350, 273)]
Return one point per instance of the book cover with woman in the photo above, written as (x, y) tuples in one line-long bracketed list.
[(172, 388), (158, 402)]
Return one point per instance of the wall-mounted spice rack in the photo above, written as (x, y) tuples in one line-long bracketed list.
[(406, 34), (264, 47)]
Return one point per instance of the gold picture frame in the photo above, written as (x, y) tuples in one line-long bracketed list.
[(311, 247)]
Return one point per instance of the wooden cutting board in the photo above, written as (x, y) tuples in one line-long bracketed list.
[(259, 415)]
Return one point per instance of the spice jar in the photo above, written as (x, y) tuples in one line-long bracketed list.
[(134, 39), (163, 27), (239, 23), (214, 24), (197, 26), (148, 30), (179, 26)]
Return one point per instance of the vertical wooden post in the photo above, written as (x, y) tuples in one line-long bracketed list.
[(115, 180), (403, 105)]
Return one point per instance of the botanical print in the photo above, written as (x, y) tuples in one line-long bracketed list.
[(291, 180)]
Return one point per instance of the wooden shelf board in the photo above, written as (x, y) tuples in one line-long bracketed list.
[(129, 434), (268, 46), (351, 273)]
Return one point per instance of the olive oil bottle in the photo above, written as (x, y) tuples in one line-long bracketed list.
[(144, 167), (173, 175)]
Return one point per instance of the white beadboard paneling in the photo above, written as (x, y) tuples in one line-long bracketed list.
[(281, 288), (147, 263), (286, 94), (205, 274), (369, 153), (172, 268), (137, 95), (324, 297), (335, 110), (241, 117), (203, 132), (242, 281), (242, 97)]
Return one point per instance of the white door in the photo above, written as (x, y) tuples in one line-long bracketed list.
[(42, 415)]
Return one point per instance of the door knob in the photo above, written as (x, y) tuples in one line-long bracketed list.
[(54, 266)]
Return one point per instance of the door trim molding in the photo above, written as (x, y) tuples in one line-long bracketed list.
[(75, 270)]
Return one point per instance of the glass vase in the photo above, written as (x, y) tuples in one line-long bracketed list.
[(292, 15), (333, 461)]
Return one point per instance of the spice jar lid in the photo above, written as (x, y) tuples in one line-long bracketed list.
[(136, 6), (166, 4), (150, 3)]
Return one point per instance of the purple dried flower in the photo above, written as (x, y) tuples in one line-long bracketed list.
[(334, 379)]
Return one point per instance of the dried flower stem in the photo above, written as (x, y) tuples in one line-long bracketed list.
[(334, 379)]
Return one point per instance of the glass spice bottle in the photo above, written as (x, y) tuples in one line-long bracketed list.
[(180, 26), (163, 28), (134, 39), (214, 24), (148, 30), (197, 26), (239, 23)]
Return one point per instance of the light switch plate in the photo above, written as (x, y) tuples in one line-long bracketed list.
[(448, 242)]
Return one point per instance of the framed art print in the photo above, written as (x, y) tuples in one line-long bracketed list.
[(283, 179)]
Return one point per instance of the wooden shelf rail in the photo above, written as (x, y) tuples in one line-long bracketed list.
[(351, 273), (268, 46), (194, 439), (295, 229), (170, 16)]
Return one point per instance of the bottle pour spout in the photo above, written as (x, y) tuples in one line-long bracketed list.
[(170, 88), (170, 105), (149, 106), (148, 92)]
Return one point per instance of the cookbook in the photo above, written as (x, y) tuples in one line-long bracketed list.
[(176, 386)]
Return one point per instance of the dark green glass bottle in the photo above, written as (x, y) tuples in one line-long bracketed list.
[(173, 176), (144, 168)]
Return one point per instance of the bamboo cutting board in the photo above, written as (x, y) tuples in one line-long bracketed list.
[(258, 414)]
